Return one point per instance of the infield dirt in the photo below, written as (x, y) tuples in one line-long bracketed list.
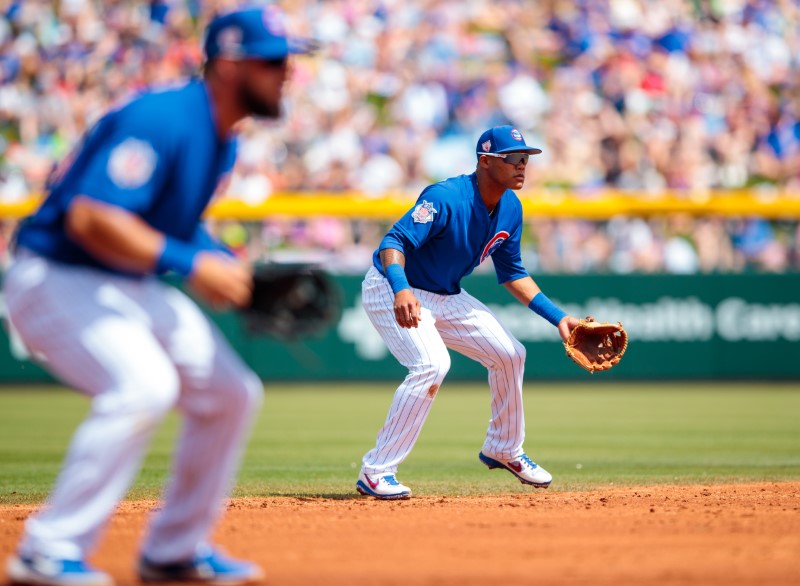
[(739, 534)]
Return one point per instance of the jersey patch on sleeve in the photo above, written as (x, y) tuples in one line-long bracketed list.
[(424, 212), (131, 163), (494, 244)]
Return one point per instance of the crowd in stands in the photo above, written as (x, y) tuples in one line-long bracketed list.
[(635, 95)]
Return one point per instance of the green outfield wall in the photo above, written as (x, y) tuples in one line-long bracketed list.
[(681, 327)]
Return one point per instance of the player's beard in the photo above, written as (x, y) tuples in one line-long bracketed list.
[(258, 106)]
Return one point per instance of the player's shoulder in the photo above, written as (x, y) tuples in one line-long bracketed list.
[(451, 190), (512, 198), (164, 109), (511, 210)]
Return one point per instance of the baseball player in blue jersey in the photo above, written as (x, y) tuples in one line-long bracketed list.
[(414, 299), (84, 295)]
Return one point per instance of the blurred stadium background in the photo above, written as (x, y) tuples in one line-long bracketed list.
[(667, 195)]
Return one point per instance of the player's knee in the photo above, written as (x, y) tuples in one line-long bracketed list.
[(517, 357), (432, 371), (439, 367), (520, 351), (149, 397), (511, 357), (241, 395), (160, 397), (443, 366), (163, 394), (246, 393), (251, 392)]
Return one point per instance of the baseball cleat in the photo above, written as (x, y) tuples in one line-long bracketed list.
[(44, 571), (213, 568), (382, 486), (525, 469)]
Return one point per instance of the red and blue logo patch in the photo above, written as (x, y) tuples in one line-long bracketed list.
[(494, 244), (423, 213), (274, 21)]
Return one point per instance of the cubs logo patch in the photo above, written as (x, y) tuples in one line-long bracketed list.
[(486, 146), (423, 213), (274, 21), (493, 244), (516, 135), (131, 163), (229, 40)]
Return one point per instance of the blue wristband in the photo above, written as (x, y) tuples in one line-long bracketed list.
[(541, 305), (177, 256), (396, 276)]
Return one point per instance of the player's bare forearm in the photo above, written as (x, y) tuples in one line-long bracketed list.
[(125, 242), (523, 289), (113, 235), (391, 256), (407, 308)]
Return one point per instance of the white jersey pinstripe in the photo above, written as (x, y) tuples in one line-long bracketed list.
[(464, 324)]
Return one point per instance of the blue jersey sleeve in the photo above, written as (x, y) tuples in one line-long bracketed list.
[(421, 223), (507, 259), (129, 160), (203, 240)]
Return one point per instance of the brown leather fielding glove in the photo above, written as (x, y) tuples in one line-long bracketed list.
[(596, 345)]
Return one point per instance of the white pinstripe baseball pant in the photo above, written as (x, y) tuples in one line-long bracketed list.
[(138, 348), (466, 325)]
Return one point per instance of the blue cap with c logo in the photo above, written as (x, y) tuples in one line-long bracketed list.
[(503, 139), (251, 33)]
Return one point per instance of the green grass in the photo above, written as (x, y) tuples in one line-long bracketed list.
[(308, 440)]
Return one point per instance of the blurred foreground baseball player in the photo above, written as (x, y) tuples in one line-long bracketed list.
[(413, 297), (84, 296)]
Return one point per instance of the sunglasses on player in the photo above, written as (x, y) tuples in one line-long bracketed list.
[(510, 158), (280, 62)]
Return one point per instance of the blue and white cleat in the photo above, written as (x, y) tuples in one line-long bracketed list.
[(525, 469), (212, 568), (39, 570), (382, 486)]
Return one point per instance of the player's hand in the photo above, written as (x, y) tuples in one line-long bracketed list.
[(407, 309), (566, 325), (221, 281)]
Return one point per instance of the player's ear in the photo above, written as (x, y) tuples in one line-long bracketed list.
[(224, 69)]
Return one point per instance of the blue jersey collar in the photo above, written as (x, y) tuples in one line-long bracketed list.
[(479, 199), (208, 102)]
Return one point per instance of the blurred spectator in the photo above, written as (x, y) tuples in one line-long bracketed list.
[(628, 94)]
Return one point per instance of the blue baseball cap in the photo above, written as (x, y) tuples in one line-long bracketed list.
[(255, 32), (503, 139)]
